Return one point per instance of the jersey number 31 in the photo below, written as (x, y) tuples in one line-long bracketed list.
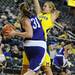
[(36, 23)]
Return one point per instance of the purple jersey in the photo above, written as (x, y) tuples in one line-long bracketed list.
[(38, 33)]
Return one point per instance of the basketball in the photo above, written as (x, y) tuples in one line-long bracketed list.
[(7, 29)]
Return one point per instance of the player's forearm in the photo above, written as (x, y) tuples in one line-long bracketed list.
[(37, 6), (23, 35)]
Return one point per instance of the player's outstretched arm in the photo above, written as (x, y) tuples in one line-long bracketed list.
[(37, 6)]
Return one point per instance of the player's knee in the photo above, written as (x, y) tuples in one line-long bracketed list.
[(46, 68), (24, 69)]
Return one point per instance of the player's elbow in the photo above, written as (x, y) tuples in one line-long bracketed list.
[(30, 35)]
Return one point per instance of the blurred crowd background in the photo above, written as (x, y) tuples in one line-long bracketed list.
[(62, 33)]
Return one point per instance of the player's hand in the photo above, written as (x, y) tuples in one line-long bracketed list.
[(12, 33)]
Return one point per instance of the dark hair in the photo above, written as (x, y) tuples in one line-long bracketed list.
[(24, 9)]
